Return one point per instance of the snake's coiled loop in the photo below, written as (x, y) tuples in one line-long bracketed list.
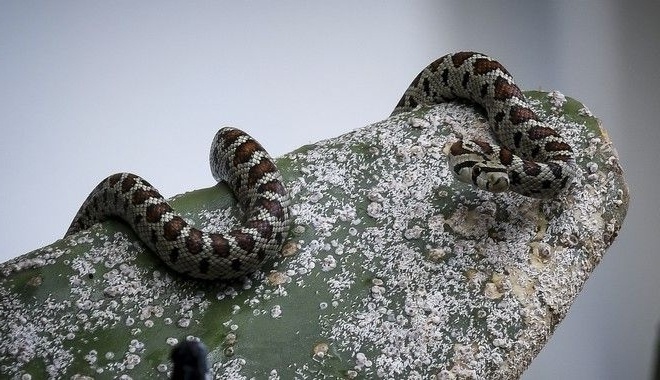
[(533, 160), (250, 172)]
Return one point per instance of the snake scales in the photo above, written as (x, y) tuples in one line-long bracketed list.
[(255, 181), (534, 161)]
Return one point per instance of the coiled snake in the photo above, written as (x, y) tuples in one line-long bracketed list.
[(534, 161)]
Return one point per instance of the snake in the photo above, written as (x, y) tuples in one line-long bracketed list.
[(254, 179), (533, 159)]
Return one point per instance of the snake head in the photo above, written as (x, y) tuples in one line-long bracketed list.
[(475, 162), (490, 176)]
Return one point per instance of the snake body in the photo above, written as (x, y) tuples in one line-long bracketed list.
[(534, 160), (250, 172)]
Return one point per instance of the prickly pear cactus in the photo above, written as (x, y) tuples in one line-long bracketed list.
[(393, 269)]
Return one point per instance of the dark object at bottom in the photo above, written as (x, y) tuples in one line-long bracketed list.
[(189, 359)]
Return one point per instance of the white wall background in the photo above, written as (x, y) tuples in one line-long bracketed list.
[(92, 88)]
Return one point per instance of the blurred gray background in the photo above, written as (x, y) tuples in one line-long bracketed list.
[(92, 88)]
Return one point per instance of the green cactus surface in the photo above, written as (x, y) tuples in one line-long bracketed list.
[(393, 269)]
